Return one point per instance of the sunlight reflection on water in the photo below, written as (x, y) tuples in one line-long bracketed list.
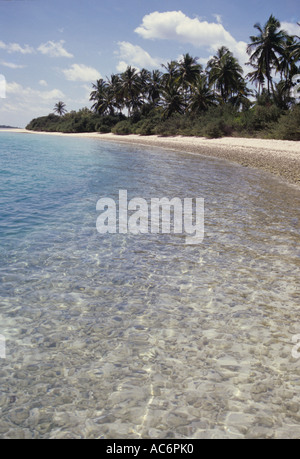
[(124, 336)]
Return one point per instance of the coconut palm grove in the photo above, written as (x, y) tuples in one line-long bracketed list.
[(184, 98)]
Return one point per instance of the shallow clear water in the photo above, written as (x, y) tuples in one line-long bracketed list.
[(124, 336)]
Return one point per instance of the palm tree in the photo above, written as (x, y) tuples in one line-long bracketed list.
[(201, 95), (282, 95), (144, 80), (257, 77), (266, 48), (289, 59), (114, 91), (130, 89), (188, 70), (171, 75), (225, 73), (295, 49), (60, 108), (155, 87), (240, 99), (173, 101), (101, 98)]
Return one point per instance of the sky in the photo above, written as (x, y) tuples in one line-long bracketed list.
[(52, 50)]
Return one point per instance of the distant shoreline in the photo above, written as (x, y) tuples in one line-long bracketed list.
[(280, 157), (2, 128)]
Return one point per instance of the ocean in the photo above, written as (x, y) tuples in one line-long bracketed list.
[(142, 335)]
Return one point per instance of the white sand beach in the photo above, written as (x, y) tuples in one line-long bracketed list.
[(280, 157)]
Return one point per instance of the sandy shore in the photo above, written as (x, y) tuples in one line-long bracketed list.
[(280, 157)]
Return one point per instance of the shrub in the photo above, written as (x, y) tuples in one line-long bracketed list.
[(265, 119), (122, 128), (260, 117), (103, 128), (165, 129), (214, 130), (146, 127), (288, 127)]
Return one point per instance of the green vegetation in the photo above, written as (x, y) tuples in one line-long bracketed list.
[(60, 108), (186, 99), (84, 120)]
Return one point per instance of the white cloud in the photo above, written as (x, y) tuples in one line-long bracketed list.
[(291, 28), (11, 65), (51, 95), (122, 66), (43, 83), (80, 72), (136, 56), (16, 48), (54, 49), (218, 18), (26, 94), (51, 48), (175, 25), (24, 103)]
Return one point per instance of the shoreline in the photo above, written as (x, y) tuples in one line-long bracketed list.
[(279, 157)]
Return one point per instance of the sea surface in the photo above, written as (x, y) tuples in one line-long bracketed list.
[(143, 336)]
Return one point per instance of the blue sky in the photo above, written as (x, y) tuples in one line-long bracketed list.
[(53, 50)]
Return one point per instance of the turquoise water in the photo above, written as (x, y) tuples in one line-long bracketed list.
[(125, 336)]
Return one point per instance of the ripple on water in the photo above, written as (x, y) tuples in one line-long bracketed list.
[(145, 337)]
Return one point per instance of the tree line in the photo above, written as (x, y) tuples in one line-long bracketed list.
[(185, 98), (184, 86)]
